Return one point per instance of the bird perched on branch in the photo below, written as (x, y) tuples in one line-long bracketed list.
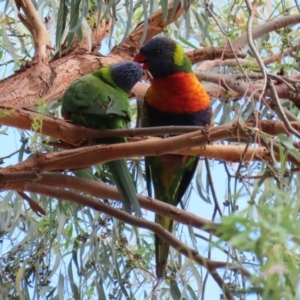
[(100, 101), (175, 97)]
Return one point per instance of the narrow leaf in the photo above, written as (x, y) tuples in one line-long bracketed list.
[(61, 23)]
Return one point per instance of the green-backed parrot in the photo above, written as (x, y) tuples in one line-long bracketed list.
[(175, 97), (100, 100)]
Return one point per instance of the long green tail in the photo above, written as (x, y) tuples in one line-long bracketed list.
[(170, 175), (161, 247), (124, 183)]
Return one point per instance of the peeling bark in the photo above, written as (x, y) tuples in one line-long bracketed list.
[(26, 87)]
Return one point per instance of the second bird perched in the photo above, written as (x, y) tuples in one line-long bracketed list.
[(175, 97), (100, 100)]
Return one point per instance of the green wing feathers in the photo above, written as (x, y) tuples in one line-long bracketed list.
[(97, 102)]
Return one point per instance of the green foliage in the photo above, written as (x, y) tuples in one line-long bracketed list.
[(37, 123), (268, 228)]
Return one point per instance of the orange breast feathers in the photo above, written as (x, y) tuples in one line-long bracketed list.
[(177, 93)]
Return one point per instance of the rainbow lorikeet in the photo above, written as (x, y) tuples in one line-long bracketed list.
[(100, 100), (175, 97)]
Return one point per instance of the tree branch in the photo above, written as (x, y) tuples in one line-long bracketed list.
[(84, 157), (101, 190), (229, 153), (34, 24), (281, 113), (77, 135), (261, 30), (212, 53), (228, 87), (49, 81), (210, 64), (87, 156), (239, 89), (33, 205)]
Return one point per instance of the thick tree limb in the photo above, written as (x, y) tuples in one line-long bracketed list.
[(48, 82), (35, 82)]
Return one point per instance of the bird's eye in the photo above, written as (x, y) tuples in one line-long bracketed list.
[(157, 52)]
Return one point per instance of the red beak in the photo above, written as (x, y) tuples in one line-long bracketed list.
[(141, 59)]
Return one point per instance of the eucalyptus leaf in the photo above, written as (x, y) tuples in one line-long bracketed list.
[(8, 45), (74, 287), (175, 292), (61, 23), (200, 187)]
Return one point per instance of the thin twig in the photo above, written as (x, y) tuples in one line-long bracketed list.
[(33, 205), (9, 155), (212, 188), (242, 159), (253, 48), (227, 41), (280, 110), (281, 79)]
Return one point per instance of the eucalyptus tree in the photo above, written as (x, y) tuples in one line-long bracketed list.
[(63, 233)]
